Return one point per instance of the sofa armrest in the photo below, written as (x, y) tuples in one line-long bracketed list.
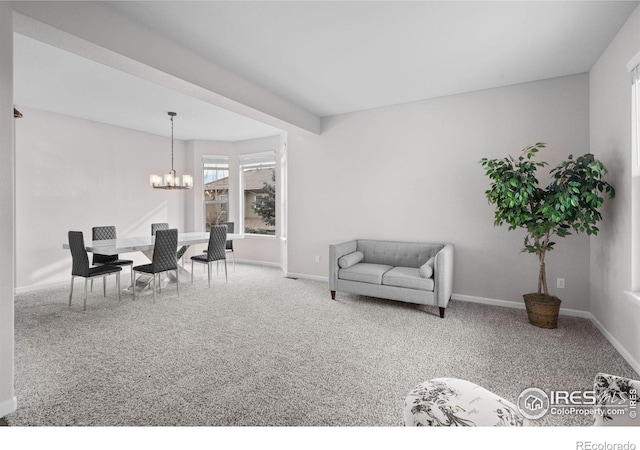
[(336, 251), (443, 275)]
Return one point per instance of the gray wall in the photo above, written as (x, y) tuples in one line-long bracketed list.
[(411, 172), (7, 399), (611, 135), (74, 174)]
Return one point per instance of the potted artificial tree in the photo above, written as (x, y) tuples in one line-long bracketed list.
[(569, 203)]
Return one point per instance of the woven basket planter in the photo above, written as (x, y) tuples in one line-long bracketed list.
[(542, 310)]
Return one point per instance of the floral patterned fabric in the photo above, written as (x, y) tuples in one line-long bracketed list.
[(616, 401), (455, 402)]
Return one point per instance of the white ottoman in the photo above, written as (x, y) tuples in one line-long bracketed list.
[(453, 402)]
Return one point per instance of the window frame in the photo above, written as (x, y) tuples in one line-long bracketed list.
[(215, 163), (253, 161)]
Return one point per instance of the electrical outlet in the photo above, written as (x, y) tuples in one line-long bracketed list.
[(560, 283), (317, 258)]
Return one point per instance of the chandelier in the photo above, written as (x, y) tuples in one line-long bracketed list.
[(170, 180)]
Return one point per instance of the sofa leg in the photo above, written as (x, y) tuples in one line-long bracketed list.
[(333, 295), (441, 313)]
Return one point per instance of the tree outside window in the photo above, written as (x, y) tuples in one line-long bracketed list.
[(259, 198)]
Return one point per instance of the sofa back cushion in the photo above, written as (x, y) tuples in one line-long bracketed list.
[(403, 254)]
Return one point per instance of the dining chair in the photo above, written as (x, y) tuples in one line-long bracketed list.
[(216, 251), (158, 226), (229, 244), (81, 268), (165, 226), (164, 258), (101, 234), (229, 247)]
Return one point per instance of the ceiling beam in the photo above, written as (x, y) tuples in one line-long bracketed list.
[(95, 32)]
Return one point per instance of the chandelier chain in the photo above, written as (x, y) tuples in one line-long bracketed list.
[(172, 144)]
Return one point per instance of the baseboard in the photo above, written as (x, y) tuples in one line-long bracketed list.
[(617, 345), (8, 406), (37, 287), (563, 311), (255, 262), (305, 276), (516, 305)]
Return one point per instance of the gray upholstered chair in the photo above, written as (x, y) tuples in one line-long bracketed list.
[(165, 226), (82, 269), (216, 251), (164, 258), (229, 246), (158, 226), (101, 234)]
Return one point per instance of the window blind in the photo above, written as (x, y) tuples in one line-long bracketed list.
[(215, 160), (256, 160)]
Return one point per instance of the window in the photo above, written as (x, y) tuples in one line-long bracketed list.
[(258, 193), (215, 184)]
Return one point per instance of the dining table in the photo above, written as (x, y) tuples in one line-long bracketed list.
[(145, 244)]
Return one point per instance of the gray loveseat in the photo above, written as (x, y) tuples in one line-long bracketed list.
[(405, 271)]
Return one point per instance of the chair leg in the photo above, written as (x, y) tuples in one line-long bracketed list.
[(154, 288), (104, 286), (209, 272), (191, 271), (92, 285), (84, 308), (132, 277), (133, 286), (159, 282), (71, 293), (118, 283), (226, 278), (178, 282)]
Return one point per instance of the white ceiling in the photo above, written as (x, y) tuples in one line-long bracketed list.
[(52, 79), (332, 57), (326, 57)]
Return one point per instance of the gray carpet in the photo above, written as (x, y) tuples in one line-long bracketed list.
[(267, 350)]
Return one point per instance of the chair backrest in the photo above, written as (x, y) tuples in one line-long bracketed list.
[(101, 234), (158, 226), (217, 243), (230, 227), (164, 250), (80, 265)]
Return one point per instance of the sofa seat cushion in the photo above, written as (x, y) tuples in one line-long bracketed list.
[(364, 272), (407, 277)]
